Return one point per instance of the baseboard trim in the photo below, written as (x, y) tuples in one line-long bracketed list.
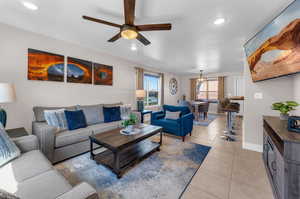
[(253, 147)]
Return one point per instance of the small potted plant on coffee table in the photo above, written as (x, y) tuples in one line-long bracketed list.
[(129, 123), (284, 108)]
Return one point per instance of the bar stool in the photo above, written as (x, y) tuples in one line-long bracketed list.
[(230, 109)]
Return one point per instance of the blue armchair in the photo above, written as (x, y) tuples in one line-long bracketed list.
[(180, 127)]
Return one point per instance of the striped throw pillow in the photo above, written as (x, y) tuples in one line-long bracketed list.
[(56, 118), (8, 149)]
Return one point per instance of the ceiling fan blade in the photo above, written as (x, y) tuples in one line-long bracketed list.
[(153, 27), (143, 39), (115, 38), (101, 21), (129, 8)]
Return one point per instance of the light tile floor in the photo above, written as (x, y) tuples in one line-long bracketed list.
[(228, 172)]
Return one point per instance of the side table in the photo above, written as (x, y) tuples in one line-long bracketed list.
[(143, 113)]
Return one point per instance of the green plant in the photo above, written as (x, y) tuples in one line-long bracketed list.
[(131, 121), (285, 107)]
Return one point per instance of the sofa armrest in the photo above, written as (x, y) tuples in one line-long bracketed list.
[(186, 123), (81, 191), (27, 143), (46, 137), (157, 115)]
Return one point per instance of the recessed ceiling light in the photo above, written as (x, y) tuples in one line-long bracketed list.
[(219, 21), (133, 47), (30, 5)]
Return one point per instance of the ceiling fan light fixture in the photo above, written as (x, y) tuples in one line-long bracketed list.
[(219, 21), (29, 5), (129, 33)]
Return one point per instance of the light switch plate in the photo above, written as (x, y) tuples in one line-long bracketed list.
[(258, 96)]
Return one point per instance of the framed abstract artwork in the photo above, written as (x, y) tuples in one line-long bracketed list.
[(45, 66), (79, 71), (103, 74), (275, 50)]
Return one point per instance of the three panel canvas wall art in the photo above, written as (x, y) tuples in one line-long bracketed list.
[(47, 66)]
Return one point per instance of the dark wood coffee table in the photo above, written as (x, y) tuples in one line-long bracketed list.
[(125, 150)]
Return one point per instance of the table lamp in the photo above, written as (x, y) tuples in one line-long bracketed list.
[(140, 95), (7, 95)]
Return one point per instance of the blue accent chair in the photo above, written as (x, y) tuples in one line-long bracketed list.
[(180, 127)]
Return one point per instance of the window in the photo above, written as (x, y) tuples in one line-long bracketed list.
[(208, 89), (152, 87)]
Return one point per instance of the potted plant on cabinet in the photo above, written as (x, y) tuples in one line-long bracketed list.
[(284, 108)]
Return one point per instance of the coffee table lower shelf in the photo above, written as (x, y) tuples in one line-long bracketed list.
[(126, 157)]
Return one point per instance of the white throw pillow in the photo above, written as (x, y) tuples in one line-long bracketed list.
[(56, 118), (172, 115), (125, 111)]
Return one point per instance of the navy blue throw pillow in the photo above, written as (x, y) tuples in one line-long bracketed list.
[(111, 114), (75, 119)]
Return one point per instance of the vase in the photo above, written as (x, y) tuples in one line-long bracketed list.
[(284, 116), (129, 128)]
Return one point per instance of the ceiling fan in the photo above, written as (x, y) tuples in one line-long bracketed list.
[(129, 30)]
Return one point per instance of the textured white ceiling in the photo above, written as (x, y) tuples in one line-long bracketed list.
[(194, 42)]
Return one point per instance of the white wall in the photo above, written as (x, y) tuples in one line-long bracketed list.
[(275, 90), (233, 87), (13, 55), (296, 90)]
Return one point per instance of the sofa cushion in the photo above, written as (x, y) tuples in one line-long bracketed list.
[(93, 113), (113, 105), (75, 119), (48, 185), (39, 111), (100, 128), (111, 114), (26, 166), (8, 149), (71, 137)]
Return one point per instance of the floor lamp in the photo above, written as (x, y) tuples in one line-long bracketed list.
[(7, 95)]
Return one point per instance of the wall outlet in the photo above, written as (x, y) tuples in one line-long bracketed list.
[(258, 96)]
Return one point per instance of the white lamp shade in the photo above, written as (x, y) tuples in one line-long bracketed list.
[(7, 93), (140, 93)]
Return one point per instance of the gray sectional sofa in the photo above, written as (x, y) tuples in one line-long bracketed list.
[(31, 176), (60, 145)]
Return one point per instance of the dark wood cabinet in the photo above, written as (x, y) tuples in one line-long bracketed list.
[(281, 155)]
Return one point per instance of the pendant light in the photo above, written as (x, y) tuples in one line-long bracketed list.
[(201, 79)]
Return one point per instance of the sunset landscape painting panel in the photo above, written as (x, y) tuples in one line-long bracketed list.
[(79, 71), (275, 51), (45, 66), (103, 74)]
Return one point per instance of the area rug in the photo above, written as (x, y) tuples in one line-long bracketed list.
[(164, 174), (205, 122)]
